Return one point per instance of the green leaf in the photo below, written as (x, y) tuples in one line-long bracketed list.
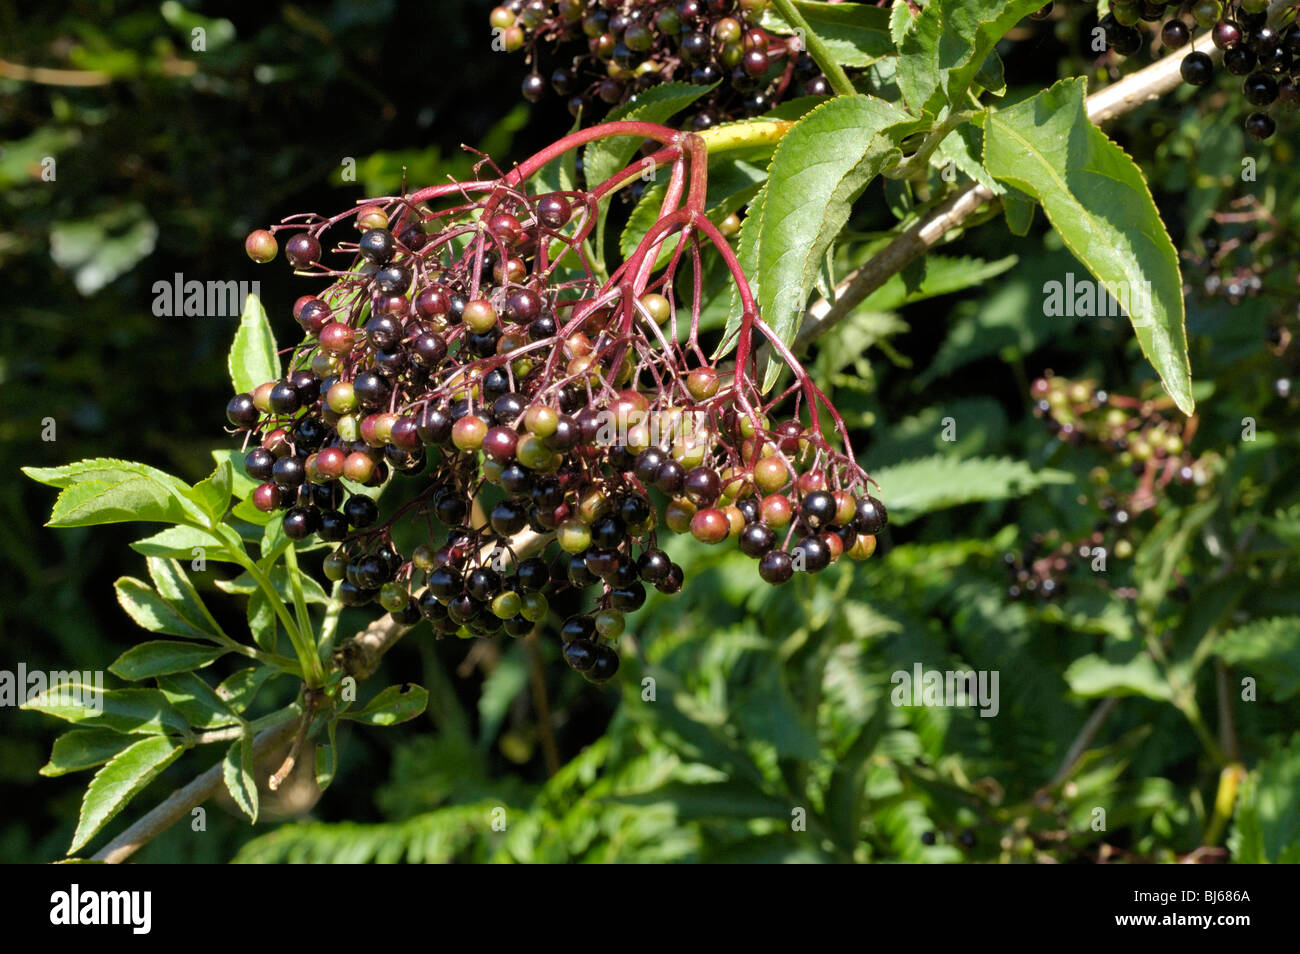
[(241, 484), (856, 34), (80, 749), (150, 611), (1019, 211), (822, 164), (179, 543), (98, 249), (1092, 676), (197, 701), (237, 773), (253, 359), (500, 689), (124, 777), (162, 657), (1268, 649), (1267, 818), (131, 711), (239, 689), (212, 494), (175, 587), (947, 47), (1096, 198), (916, 487), (395, 704), (104, 490)]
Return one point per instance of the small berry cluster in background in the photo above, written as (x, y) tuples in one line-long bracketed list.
[(599, 53), (466, 341), (1145, 451), (1266, 54)]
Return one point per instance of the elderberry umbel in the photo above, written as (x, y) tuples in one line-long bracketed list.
[(1142, 452), (1253, 46), (599, 53), (553, 423)]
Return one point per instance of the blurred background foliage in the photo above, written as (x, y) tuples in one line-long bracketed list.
[(766, 702)]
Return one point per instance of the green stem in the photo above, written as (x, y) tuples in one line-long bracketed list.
[(835, 74), (312, 668)]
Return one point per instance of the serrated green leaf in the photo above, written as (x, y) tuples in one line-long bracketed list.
[(162, 657), (1097, 200), (80, 749), (821, 165), (237, 773), (855, 34), (130, 711), (1267, 817), (916, 487), (253, 359), (124, 777), (212, 495), (1269, 650), (948, 45), (179, 543), (104, 490), (150, 611), (238, 690), (943, 276), (394, 705), (241, 485), (175, 587), (196, 701)]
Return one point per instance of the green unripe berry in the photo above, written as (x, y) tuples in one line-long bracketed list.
[(541, 420), (534, 607), (610, 623), (341, 398), (422, 557), (573, 536), (507, 605), (393, 597), (336, 565)]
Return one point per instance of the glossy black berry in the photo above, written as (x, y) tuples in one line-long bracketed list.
[(604, 666), (1260, 126), (1260, 89), (1197, 68), (258, 463), (361, 511), (580, 654), (818, 509), (776, 567), (301, 522), (289, 472), (241, 411), (1239, 60), (378, 245), (756, 539), (333, 526)]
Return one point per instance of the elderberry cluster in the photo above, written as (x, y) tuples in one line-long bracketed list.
[(464, 347), (605, 51), (1267, 56), (1144, 452)]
